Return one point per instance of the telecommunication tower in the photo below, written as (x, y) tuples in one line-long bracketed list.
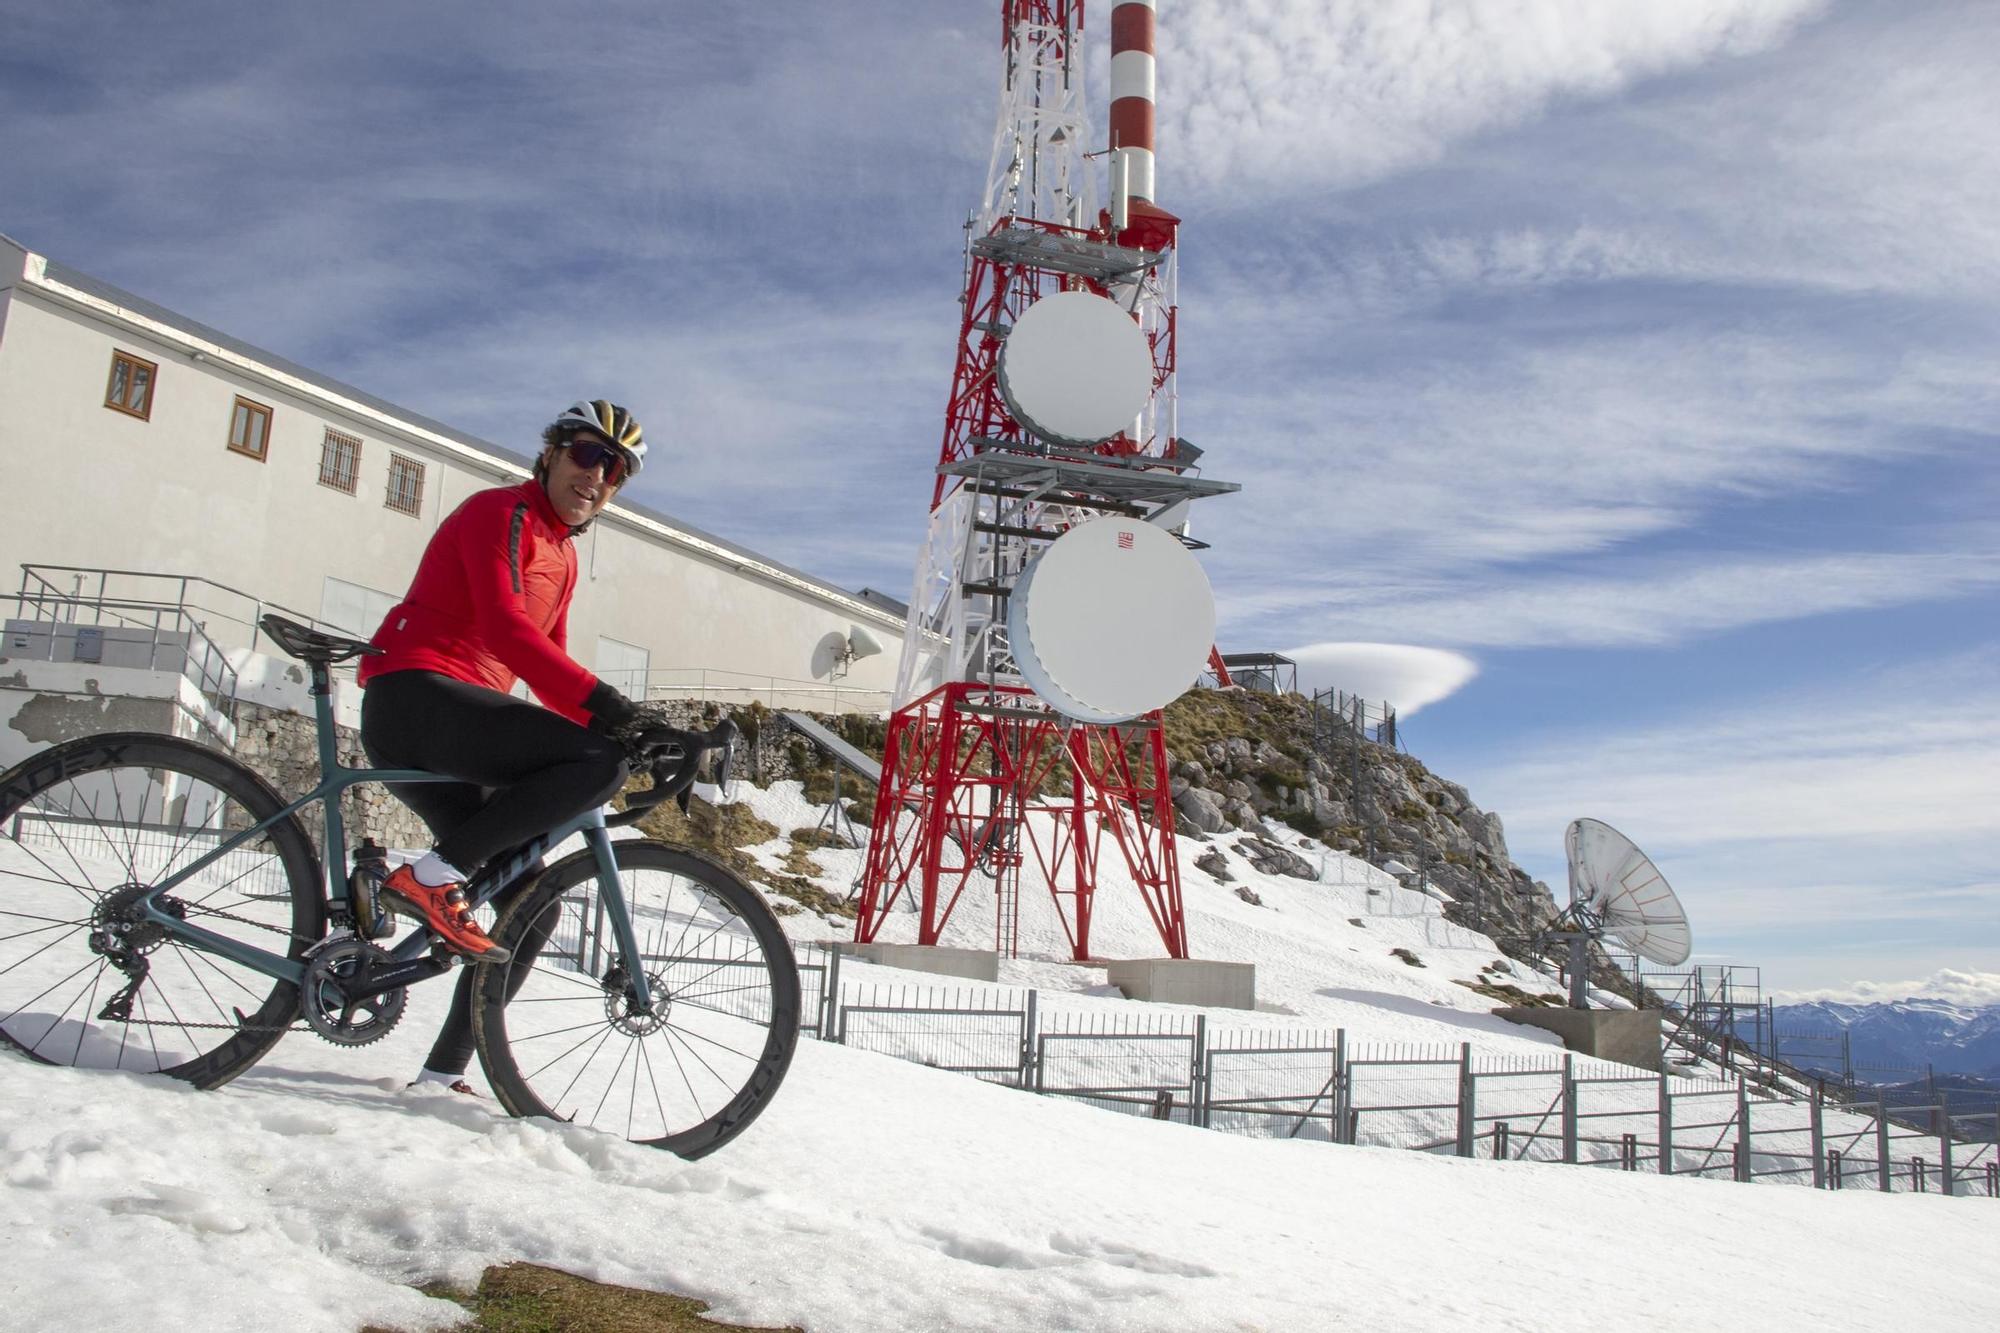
[(981, 773)]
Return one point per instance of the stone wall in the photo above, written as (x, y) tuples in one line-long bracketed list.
[(283, 747)]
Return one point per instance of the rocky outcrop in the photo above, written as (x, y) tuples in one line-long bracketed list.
[(1246, 760)]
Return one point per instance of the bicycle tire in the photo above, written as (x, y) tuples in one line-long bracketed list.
[(84, 827), (569, 1046)]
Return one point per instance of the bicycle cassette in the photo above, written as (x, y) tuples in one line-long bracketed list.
[(323, 994)]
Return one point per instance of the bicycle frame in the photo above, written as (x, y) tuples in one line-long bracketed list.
[(409, 951)]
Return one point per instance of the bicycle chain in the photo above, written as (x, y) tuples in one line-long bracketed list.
[(299, 1026)]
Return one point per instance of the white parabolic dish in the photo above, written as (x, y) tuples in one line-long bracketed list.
[(1622, 887), (1113, 620), (1075, 368)]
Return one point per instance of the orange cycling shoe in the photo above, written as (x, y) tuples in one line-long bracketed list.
[(443, 909)]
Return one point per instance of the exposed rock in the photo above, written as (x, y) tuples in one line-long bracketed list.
[(1215, 863), (1201, 808), (1268, 858), (1244, 892)]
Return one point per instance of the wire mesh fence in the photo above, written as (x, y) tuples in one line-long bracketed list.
[(1295, 1082)]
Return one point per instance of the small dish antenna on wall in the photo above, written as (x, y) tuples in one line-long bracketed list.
[(1616, 892), (858, 644)]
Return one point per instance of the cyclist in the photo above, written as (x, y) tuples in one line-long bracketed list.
[(489, 605)]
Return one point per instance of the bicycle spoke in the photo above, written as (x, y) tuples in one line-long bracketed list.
[(585, 1065)]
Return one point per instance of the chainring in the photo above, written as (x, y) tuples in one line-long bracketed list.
[(324, 1001)]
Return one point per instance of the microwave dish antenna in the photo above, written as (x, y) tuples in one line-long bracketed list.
[(1076, 368), (1616, 892), (1113, 620)]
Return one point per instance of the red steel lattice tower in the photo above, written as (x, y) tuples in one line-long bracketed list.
[(980, 779)]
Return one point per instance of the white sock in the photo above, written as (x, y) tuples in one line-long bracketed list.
[(434, 1076), (433, 871)]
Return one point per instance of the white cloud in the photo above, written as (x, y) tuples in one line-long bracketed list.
[(1275, 95), (1971, 990), (1639, 603), (1404, 675), (1825, 834)]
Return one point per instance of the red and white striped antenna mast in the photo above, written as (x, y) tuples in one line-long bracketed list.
[(981, 779)]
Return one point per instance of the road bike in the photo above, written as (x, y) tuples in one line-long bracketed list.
[(164, 910)]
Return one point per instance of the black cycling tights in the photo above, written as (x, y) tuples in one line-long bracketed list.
[(522, 771), (521, 768)]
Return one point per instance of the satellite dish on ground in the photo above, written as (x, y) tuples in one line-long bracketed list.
[(1616, 892), (1076, 369), (1114, 619)]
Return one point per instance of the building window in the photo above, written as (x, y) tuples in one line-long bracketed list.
[(250, 429), (406, 485), (339, 461), (131, 385)]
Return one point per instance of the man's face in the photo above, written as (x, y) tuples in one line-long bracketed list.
[(576, 491)]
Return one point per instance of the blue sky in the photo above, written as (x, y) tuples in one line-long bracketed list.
[(1631, 370)]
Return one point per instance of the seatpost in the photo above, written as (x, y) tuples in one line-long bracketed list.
[(335, 851)]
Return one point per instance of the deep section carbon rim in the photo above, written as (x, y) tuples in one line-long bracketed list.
[(686, 1073), (88, 830)]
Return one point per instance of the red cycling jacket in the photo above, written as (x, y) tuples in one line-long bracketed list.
[(490, 602)]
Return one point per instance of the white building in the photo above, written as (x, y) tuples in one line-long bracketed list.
[(175, 452)]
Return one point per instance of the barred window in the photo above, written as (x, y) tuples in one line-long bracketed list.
[(250, 429), (339, 461), (406, 485), (131, 387)]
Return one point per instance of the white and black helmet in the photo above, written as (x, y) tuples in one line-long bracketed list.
[(611, 421)]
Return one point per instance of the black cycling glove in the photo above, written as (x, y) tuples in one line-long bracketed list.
[(609, 710)]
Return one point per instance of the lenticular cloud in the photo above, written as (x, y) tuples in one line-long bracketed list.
[(1401, 674)]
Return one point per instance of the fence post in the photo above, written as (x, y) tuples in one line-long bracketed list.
[(1666, 1127), (1570, 1109), (1500, 1141), (1882, 1145), (1745, 1170), (1816, 1114), (1341, 1092), (1029, 1026), (830, 997), (1917, 1177), (1944, 1148), (1628, 1152), (1835, 1177), (1198, 1076), (1467, 1111)]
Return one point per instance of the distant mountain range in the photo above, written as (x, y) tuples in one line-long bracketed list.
[(1896, 1036)]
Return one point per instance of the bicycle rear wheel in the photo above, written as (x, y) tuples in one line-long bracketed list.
[(86, 830), (689, 1073)]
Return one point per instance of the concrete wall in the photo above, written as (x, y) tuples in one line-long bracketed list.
[(167, 496)]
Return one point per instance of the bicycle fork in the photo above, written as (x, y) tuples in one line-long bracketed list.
[(637, 985)]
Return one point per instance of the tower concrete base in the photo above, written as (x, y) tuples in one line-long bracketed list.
[(1195, 981), (977, 964), (1627, 1036)]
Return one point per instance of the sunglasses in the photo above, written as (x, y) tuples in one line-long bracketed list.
[(588, 454)]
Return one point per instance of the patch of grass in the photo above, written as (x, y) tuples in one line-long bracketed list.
[(528, 1298), (1408, 957), (722, 832)]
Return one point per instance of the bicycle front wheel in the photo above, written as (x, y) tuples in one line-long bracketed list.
[(560, 1035), (88, 830)]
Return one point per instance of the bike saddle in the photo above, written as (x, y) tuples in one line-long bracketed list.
[(311, 645)]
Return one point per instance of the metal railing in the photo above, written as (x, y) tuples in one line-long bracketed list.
[(742, 688)]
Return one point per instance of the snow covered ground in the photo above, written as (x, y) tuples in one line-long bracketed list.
[(880, 1195)]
